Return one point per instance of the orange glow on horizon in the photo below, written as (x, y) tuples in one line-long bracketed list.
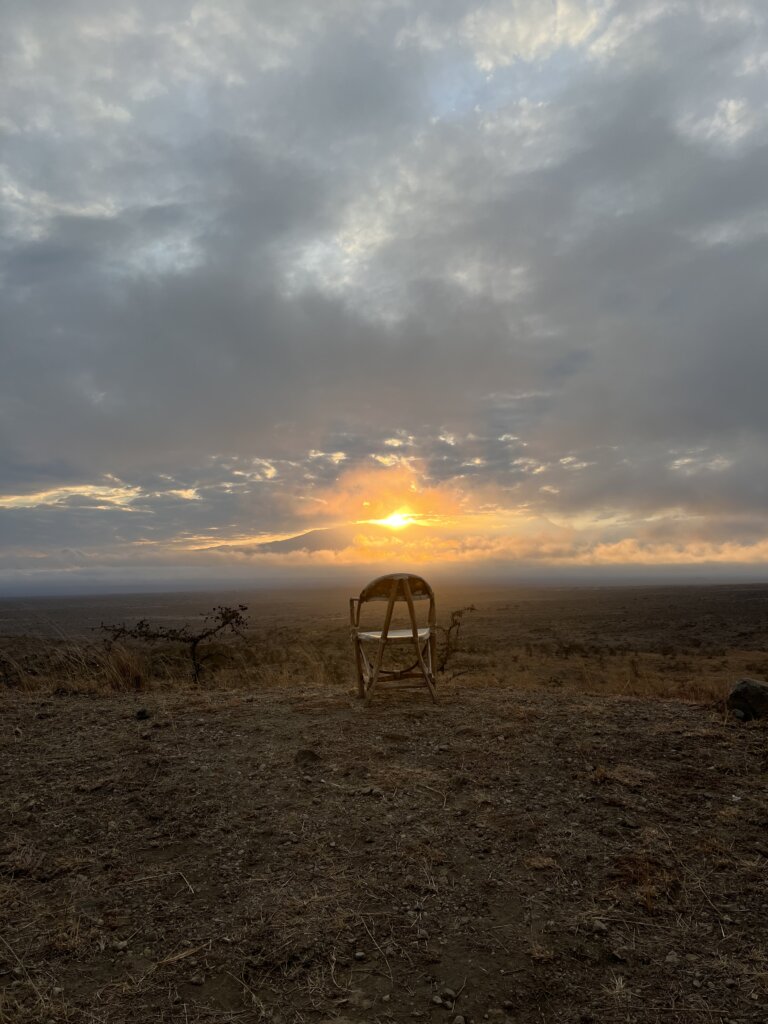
[(394, 496), (395, 521)]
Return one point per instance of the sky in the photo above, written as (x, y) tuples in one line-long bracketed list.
[(291, 289)]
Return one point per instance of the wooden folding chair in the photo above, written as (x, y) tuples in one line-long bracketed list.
[(395, 587)]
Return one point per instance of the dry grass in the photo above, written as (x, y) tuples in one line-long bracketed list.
[(290, 657), (681, 643)]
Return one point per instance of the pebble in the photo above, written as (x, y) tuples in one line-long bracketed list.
[(437, 1000), (448, 993), (458, 1019), (196, 979), (671, 958), (359, 955)]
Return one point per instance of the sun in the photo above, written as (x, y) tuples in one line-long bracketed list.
[(395, 521)]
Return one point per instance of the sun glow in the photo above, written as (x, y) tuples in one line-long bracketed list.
[(395, 521)]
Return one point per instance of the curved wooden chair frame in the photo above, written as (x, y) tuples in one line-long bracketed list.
[(395, 587)]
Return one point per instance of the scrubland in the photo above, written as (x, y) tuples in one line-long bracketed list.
[(575, 833)]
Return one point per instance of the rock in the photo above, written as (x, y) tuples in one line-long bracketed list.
[(437, 1000), (142, 714), (458, 1019), (750, 697), (671, 958), (359, 956), (197, 979), (599, 927), (448, 993)]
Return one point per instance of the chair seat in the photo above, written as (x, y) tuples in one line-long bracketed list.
[(394, 634)]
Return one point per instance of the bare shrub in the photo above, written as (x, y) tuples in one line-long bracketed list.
[(450, 636), (222, 620)]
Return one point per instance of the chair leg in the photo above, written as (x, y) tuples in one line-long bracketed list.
[(383, 640), (425, 671), (429, 674), (376, 670), (359, 665)]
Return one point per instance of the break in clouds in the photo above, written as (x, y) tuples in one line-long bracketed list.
[(272, 270)]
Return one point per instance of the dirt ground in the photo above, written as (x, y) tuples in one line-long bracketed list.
[(288, 854)]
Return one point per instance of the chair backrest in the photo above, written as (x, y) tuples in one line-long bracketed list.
[(380, 589)]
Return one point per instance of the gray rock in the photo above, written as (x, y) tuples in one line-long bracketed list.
[(750, 697)]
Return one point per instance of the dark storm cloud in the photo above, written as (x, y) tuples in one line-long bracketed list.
[(526, 242)]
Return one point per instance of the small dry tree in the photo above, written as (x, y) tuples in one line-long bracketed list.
[(222, 620), (450, 636)]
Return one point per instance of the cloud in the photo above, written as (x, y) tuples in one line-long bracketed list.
[(262, 264)]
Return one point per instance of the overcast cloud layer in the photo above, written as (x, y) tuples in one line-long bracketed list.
[(279, 267)]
